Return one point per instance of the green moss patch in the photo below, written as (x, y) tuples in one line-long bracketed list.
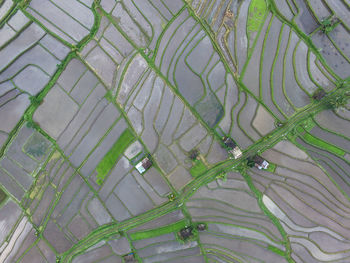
[(198, 168), (172, 228), (113, 154), (36, 146)]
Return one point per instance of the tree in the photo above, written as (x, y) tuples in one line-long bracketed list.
[(328, 24), (193, 154), (35, 100)]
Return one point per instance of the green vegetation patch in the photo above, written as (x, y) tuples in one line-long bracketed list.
[(113, 154), (276, 250), (309, 138), (256, 15), (175, 227), (109, 96), (222, 175), (3, 196), (198, 168), (328, 24), (308, 124), (271, 168), (302, 128)]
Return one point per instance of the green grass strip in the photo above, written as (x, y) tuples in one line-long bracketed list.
[(309, 138), (276, 250), (198, 168), (2, 196), (256, 15), (113, 154), (175, 227)]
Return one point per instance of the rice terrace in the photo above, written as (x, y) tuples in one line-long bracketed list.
[(175, 131)]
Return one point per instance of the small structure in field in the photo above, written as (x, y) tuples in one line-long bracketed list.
[(186, 233), (260, 162), (144, 165), (193, 154), (201, 227), (232, 147), (229, 13), (129, 258)]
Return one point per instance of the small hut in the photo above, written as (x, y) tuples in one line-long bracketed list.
[(144, 165), (232, 147)]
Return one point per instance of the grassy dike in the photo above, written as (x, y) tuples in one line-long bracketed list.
[(301, 34), (112, 230), (107, 231), (36, 101), (287, 253)]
